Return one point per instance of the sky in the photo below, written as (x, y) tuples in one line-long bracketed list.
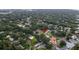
[(39, 4)]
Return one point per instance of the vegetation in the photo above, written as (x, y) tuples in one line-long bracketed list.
[(20, 29)]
